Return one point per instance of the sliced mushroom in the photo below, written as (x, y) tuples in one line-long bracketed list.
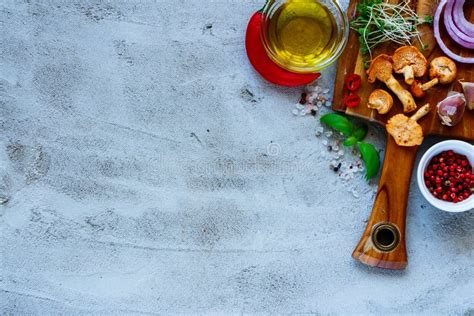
[(405, 130), (442, 70), (381, 69), (410, 62), (380, 100)]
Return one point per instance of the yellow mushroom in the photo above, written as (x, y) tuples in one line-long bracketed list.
[(380, 100), (405, 130), (381, 69), (442, 70), (410, 62)]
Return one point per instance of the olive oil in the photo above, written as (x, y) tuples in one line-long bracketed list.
[(302, 33)]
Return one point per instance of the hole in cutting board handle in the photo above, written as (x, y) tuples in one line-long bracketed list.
[(385, 237)]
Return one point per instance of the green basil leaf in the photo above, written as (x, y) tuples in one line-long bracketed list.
[(338, 122), (360, 132), (351, 141), (371, 158)]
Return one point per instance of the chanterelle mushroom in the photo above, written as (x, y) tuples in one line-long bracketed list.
[(381, 69), (405, 130), (380, 100), (442, 70), (410, 62)]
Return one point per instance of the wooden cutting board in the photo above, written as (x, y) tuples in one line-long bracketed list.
[(383, 241)]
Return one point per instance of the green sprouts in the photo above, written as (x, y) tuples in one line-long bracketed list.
[(380, 22)]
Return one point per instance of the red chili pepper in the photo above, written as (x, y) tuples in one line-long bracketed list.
[(353, 82), (351, 100), (264, 65)]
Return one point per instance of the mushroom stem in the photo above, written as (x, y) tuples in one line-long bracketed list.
[(416, 89), (425, 109), (405, 96), (428, 85), (409, 74)]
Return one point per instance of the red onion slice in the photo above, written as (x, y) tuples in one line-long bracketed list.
[(456, 34), (439, 40), (460, 19)]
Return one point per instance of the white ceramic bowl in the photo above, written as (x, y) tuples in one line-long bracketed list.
[(459, 147)]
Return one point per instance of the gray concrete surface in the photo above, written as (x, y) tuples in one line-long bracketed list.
[(148, 169)]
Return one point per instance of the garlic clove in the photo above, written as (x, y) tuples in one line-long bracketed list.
[(451, 109), (468, 88)]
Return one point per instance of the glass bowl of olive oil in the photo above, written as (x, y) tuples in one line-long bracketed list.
[(304, 35)]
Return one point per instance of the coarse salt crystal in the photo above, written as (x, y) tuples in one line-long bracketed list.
[(355, 193), (4, 200)]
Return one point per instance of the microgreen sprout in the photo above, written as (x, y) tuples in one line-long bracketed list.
[(380, 22)]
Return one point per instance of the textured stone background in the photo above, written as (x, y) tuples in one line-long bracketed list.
[(150, 170)]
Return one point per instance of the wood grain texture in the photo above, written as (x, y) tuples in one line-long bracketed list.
[(391, 200), (390, 207)]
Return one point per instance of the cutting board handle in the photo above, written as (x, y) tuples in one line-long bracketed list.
[(383, 242)]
